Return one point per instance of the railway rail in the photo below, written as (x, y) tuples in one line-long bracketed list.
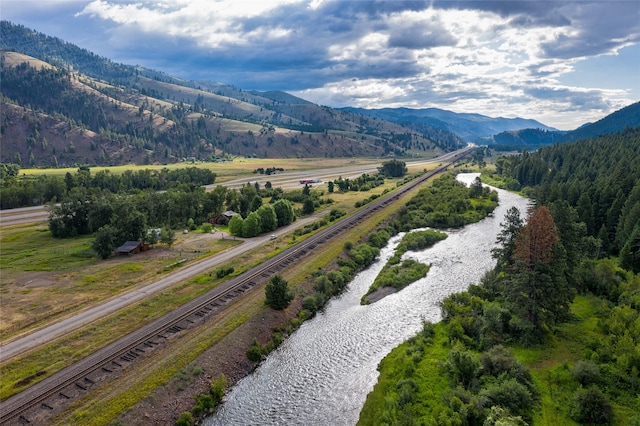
[(43, 399)]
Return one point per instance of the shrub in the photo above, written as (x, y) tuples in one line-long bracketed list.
[(310, 303), (185, 419), (218, 387), (462, 366), (223, 272), (407, 389), (428, 329), (590, 405), (497, 360), (204, 405), (586, 372), (511, 395), (254, 353)]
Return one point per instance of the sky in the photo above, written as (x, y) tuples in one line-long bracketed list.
[(563, 63)]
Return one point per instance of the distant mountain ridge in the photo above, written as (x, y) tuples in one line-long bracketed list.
[(469, 127), (627, 117), (507, 134), (617, 121), (63, 105)]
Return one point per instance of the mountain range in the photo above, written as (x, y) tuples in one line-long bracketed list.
[(64, 106), (470, 127)]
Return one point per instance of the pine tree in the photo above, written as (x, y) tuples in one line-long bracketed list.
[(537, 290), (277, 293), (506, 239)]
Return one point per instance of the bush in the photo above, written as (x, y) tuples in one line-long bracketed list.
[(586, 372), (511, 395), (204, 405), (310, 303), (223, 272), (590, 405), (254, 353), (407, 389), (218, 387), (462, 366), (185, 419)]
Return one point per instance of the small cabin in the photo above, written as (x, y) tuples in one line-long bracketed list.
[(222, 218)]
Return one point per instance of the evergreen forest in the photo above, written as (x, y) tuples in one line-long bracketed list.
[(552, 334)]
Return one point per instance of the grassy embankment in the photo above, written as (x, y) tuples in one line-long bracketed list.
[(39, 364), (550, 365)]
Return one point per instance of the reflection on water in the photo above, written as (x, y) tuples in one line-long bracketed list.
[(322, 374)]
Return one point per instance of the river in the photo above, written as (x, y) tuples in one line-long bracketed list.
[(322, 374)]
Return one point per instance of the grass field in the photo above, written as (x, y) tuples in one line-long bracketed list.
[(227, 170), (45, 278)]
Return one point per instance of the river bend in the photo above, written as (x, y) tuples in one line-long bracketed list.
[(322, 374)]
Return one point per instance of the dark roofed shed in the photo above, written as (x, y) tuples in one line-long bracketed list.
[(130, 247)]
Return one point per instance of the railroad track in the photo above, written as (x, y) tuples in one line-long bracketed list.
[(41, 400)]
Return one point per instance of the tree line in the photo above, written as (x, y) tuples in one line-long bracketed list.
[(599, 178), (51, 90), (23, 191), (127, 216)]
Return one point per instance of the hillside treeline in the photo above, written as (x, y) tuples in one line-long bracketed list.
[(53, 91), (599, 178), (96, 111), (58, 52)]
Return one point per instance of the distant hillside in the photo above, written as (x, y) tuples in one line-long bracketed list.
[(626, 117), (469, 127), (63, 105), (517, 140), (531, 139)]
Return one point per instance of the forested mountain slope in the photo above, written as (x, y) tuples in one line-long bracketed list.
[(63, 105), (626, 117), (531, 139), (599, 177)]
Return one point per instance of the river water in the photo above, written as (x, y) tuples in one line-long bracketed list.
[(322, 374)]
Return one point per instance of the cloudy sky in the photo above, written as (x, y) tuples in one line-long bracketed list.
[(563, 63)]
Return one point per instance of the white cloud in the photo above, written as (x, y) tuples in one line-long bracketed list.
[(491, 57)]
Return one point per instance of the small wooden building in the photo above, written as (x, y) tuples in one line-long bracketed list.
[(222, 218), (130, 247)]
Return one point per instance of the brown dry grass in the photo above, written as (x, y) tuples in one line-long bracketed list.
[(45, 279)]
